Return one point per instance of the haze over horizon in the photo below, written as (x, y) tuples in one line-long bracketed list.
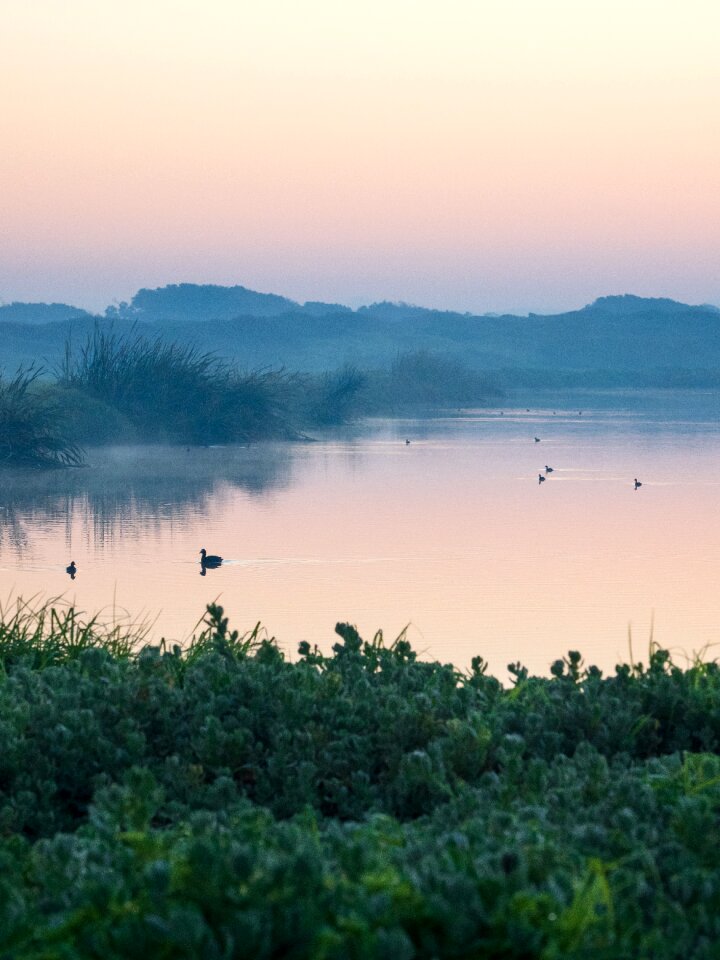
[(476, 157)]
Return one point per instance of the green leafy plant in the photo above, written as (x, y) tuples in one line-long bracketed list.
[(223, 801)]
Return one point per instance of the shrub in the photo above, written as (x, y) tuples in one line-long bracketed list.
[(223, 802)]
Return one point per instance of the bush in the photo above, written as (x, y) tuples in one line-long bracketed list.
[(223, 802)]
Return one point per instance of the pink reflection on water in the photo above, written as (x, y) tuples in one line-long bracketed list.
[(451, 535)]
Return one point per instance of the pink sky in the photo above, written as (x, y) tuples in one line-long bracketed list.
[(476, 154)]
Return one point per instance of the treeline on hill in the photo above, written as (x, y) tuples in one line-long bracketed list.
[(131, 388), (223, 802)]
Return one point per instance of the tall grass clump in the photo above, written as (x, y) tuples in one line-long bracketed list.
[(176, 392), (31, 432), (417, 378), (41, 633), (337, 396), (424, 377)]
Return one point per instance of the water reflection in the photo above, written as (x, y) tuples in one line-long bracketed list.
[(133, 492), (452, 533)]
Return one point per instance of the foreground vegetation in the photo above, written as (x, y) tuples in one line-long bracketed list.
[(223, 802)]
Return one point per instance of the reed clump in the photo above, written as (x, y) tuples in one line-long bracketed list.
[(175, 391), (31, 425), (422, 377), (337, 396), (131, 388)]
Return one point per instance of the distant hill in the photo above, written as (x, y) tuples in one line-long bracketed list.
[(190, 301), (39, 312), (628, 305), (201, 302), (614, 340)]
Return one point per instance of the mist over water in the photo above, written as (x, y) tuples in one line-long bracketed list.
[(451, 534)]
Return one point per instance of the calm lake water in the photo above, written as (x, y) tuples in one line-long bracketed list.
[(451, 534)]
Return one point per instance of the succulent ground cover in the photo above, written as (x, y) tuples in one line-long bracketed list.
[(222, 801)]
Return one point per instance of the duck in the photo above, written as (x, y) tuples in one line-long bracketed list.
[(72, 569), (537, 439), (637, 483), (209, 559), (407, 443), (541, 478), (549, 469)]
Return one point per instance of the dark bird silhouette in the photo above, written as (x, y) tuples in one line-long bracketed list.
[(209, 560), (407, 443), (537, 439), (72, 569), (549, 469), (541, 478), (637, 483)]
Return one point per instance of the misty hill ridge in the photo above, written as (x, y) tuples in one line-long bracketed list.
[(628, 305), (615, 339), (40, 312), (202, 302), (199, 302), (190, 301)]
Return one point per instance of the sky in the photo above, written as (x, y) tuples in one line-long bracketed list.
[(481, 155)]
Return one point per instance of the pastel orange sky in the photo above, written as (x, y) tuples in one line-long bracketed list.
[(483, 155)]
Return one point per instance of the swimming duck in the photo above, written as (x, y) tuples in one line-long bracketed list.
[(72, 569), (537, 439), (541, 478), (637, 483), (209, 559), (549, 469)]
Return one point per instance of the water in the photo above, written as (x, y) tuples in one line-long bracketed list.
[(451, 536)]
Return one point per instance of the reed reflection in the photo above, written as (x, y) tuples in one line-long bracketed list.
[(136, 491)]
